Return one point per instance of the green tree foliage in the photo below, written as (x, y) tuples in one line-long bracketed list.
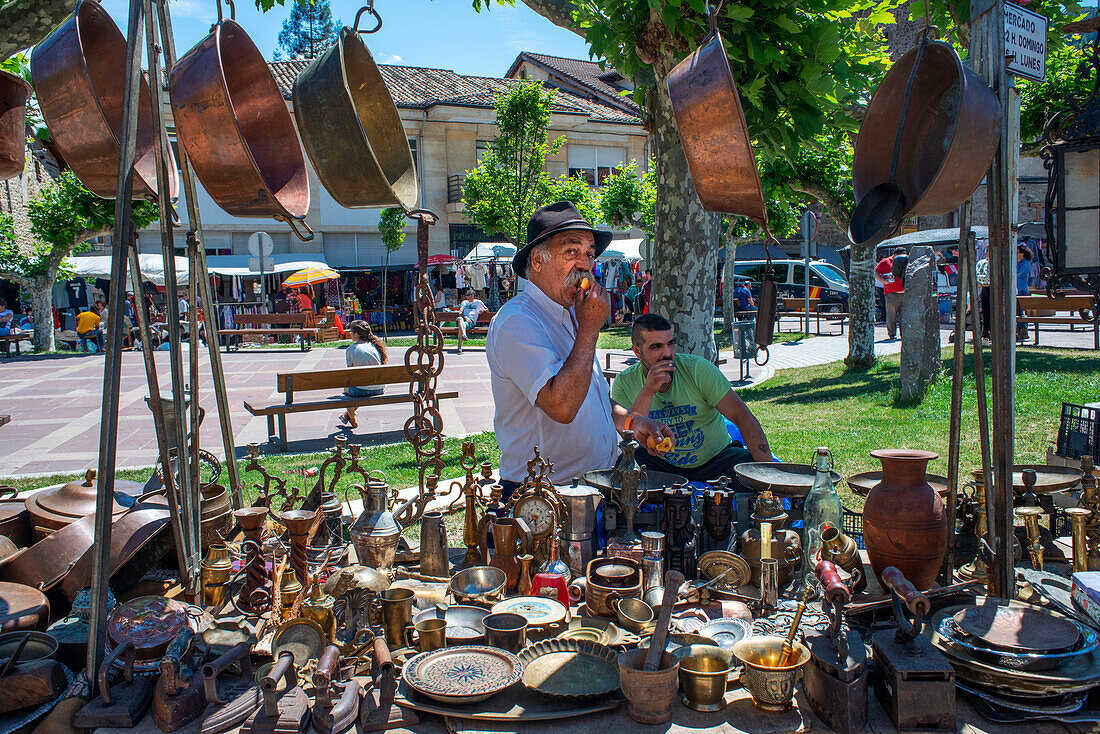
[(510, 182), (952, 17), (308, 31), (392, 228), (1067, 76), (630, 200)]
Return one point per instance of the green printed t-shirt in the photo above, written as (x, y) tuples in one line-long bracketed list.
[(688, 408)]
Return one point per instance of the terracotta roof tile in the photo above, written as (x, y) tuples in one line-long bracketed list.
[(415, 87), (588, 73)]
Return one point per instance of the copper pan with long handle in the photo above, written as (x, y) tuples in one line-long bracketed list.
[(237, 131), (79, 75), (13, 124), (948, 137), (350, 127)]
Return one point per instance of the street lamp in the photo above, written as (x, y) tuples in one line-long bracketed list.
[(1071, 155)]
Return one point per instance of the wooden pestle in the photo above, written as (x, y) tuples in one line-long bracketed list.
[(673, 580)]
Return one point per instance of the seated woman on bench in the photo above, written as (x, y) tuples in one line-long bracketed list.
[(367, 350)]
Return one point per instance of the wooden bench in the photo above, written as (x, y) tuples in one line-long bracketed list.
[(816, 315), (1071, 304), (481, 328), (610, 373), (289, 383), (14, 338), (272, 324)]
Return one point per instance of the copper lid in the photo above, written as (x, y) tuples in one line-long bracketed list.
[(150, 622), (77, 499)]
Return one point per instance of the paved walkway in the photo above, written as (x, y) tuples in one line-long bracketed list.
[(55, 401)]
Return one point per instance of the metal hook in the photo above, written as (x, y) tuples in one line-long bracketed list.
[(232, 10), (368, 8), (291, 222)]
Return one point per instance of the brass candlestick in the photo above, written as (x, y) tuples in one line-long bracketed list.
[(1030, 517), (1078, 517), (251, 520), (976, 570), (298, 524), (472, 495)]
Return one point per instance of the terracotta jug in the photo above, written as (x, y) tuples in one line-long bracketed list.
[(904, 520), (509, 533)]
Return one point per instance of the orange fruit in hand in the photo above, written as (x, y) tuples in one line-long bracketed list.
[(586, 284)]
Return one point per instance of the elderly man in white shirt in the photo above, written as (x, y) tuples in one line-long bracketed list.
[(548, 388)]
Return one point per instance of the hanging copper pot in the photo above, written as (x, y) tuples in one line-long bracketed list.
[(79, 74), (950, 133), (713, 132), (350, 127), (13, 124), (236, 129)]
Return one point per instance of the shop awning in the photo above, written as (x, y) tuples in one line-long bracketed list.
[(627, 249), (283, 263), (489, 251), (152, 268)]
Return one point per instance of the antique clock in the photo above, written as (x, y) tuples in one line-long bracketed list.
[(538, 504)]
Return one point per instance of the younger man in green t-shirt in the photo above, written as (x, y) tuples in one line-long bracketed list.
[(692, 397)]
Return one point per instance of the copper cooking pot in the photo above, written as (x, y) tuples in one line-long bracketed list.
[(53, 508), (713, 131), (15, 521), (948, 139), (350, 127), (235, 126), (79, 74), (13, 124)]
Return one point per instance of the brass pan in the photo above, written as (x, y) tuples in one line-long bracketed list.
[(713, 132), (351, 130), (950, 134), (13, 124), (233, 122), (79, 74)]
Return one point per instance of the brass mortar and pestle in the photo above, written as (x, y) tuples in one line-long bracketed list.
[(772, 665)]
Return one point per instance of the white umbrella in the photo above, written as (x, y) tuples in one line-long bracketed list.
[(485, 251)]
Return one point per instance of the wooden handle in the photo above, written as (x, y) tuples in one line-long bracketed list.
[(836, 591), (282, 667), (173, 658), (916, 601), (382, 658), (326, 668), (673, 580)]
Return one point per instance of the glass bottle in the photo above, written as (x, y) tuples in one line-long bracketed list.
[(822, 507)]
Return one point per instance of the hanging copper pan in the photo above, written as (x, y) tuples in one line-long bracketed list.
[(949, 135), (13, 124), (79, 75), (350, 127), (713, 132), (236, 128)]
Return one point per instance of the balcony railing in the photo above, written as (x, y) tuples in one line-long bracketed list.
[(454, 188)]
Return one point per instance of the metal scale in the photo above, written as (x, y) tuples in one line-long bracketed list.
[(913, 680), (836, 678)]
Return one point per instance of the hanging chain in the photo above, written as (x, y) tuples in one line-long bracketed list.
[(425, 363)]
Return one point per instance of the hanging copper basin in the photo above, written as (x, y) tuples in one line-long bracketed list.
[(951, 132), (79, 75), (351, 130), (714, 134), (53, 509), (236, 128), (13, 124)]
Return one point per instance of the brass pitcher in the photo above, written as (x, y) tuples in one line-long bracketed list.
[(433, 546), (508, 533), (216, 571), (375, 533)]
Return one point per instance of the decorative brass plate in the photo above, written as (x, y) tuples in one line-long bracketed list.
[(574, 670)]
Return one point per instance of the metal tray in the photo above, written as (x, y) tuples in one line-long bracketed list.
[(513, 704), (1016, 627), (784, 480), (656, 482), (1048, 478), (462, 675), (570, 670), (861, 484)]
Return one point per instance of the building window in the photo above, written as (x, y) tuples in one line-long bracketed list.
[(523, 73), (595, 165), (416, 158), (483, 148)]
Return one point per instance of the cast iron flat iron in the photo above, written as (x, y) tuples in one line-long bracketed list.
[(123, 705), (836, 678), (378, 712), (285, 712), (336, 705), (178, 700), (913, 680)]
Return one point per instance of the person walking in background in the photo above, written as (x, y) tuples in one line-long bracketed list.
[(890, 273), (1023, 275), (366, 350)]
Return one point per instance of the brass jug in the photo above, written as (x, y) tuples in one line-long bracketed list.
[(508, 532), (433, 546), (376, 533), (216, 571)]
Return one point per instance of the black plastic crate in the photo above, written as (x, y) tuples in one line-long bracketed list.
[(1079, 432)]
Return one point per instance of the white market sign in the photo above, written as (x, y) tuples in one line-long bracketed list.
[(1025, 42)]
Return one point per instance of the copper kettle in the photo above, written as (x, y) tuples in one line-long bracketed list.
[(234, 124)]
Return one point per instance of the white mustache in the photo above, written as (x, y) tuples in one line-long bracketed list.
[(573, 280)]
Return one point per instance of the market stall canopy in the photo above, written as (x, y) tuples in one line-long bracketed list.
[(305, 276), (441, 260), (629, 250), (152, 268), (283, 263), (486, 251)]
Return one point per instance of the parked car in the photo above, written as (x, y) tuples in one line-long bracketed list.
[(790, 278)]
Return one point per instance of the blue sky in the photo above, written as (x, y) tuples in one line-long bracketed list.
[(444, 34)]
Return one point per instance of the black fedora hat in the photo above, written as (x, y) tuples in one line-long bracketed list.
[(560, 216)]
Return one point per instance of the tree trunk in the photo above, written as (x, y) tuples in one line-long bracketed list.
[(728, 283), (685, 241), (26, 22), (42, 305), (861, 309)]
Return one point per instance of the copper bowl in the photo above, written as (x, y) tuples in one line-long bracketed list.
[(235, 126), (13, 124), (79, 74)]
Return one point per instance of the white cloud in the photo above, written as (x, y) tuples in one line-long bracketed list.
[(391, 59)]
